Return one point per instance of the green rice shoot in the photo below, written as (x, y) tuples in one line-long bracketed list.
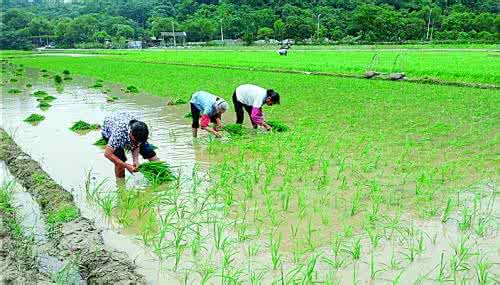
[(235, 129)]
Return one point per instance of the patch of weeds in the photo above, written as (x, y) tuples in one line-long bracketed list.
[(14, 91), (58, 79), (34, 118), (39, 177), (40, 93), (278, 126), (132, 89), (63, 215), (84, 126), (188, 115), (156, 172)]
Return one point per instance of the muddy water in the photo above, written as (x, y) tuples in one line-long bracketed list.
[(67, 157)]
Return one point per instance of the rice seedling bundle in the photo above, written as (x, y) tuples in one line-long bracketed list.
[(34, 118), (66, 72), (156, 172), (100, 142), (84, 126), (278, 126), (40, 93), (132, 89), (235, 129), (44, 105), (14, 91), (188, 115)]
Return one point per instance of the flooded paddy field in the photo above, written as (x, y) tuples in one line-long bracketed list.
[(315, 209)]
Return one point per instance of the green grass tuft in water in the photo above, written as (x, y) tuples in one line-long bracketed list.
[(34, 118)]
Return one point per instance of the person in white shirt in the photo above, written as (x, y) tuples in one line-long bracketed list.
[(251, 98)]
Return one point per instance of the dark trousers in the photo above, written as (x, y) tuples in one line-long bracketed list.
[(195, 113), (240, 114)]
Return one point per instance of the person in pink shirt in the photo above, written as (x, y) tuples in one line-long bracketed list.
[(251, 98)]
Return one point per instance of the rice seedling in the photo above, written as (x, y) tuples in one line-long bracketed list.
[(178, 101), (83, 126), (157, 172), (278, 126), (481, 271), (447, 211), (58, 79), (34, 118), (274, 244), (66, 72), (355, 249), (14, 91), (188, 115), (67, 78), (13, 80), (29, 85)]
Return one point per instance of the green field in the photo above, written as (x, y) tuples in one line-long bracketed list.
[(358, 154)]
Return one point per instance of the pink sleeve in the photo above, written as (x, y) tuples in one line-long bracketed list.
[(257, 116), (205, 121)]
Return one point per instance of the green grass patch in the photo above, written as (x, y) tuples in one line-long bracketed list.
[(34, 118), (63, 215), (156, 172), (84, 126)]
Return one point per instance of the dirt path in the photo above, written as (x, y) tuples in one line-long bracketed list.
[(72, 235)]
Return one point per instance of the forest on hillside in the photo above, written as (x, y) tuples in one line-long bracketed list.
[(94, 23)]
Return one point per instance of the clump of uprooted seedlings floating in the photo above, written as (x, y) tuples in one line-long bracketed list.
[(176, 102), (82, 126), (156, 172), (44, 99), (34, 119), (97, 84)]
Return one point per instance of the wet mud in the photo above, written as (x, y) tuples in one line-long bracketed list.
[(73, 236)]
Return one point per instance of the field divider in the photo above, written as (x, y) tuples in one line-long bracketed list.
[(70, 233)]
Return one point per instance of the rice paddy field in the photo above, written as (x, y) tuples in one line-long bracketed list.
[(367, 181)]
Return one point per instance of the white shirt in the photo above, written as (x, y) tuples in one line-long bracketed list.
[(251, 95)]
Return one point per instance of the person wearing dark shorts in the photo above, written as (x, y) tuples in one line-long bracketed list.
[(251, 98), (122, 132), (209, 108)]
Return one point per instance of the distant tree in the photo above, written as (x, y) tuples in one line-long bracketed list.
[(279, 29), (265, 33)]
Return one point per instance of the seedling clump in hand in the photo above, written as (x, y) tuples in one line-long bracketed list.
[(156, 172)]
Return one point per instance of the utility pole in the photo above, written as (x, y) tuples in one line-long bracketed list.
[(317, 33), (173, 33), (221, 32), (429, 24)]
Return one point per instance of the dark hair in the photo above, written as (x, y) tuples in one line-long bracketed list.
[(275, 96), (139, 130)]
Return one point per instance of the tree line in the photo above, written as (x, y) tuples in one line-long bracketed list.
[(94, 23)]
